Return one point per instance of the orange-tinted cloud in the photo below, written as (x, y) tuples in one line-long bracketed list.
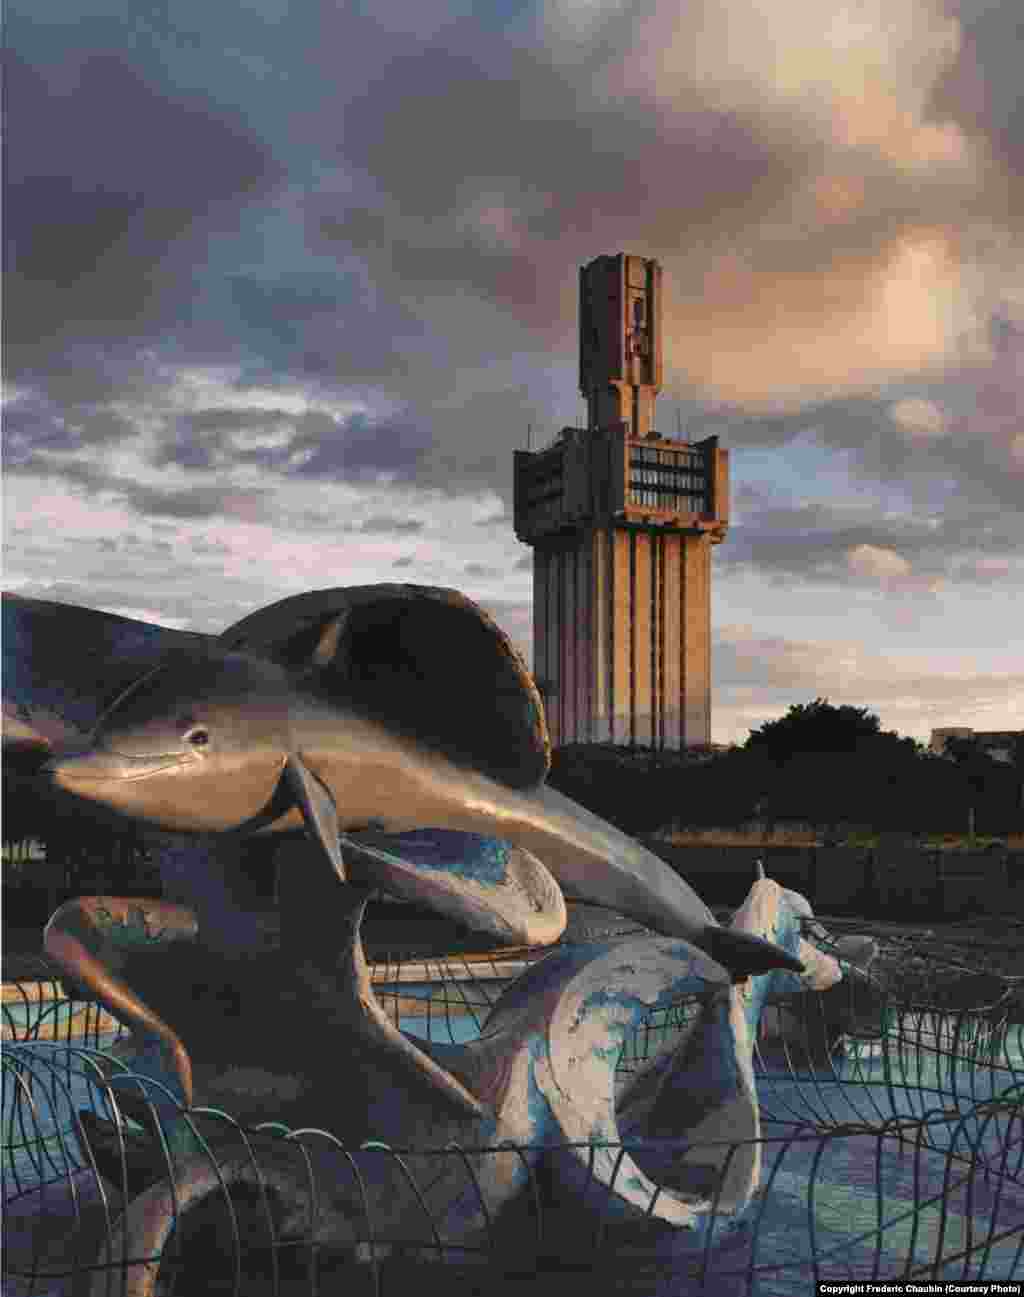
[(818, 217)]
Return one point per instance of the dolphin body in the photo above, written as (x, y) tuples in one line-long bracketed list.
[(690, 1115), (400, 727), (677, 1149)]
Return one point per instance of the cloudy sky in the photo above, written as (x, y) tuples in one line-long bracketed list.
[(286, 284)]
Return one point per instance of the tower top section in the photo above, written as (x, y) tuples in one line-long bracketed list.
[(620, 342), (618, 472)]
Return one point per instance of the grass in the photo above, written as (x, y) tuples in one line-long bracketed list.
[(20, 853), (964, 842), (787, 836)]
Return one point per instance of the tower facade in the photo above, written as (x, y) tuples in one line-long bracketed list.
[(621, 521)]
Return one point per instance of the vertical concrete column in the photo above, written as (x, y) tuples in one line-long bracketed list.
[(696, 642), (622, 637), (621, 645), (545, 642), (657, 641), (643, 632), (672, 631), (571, 642), (556, 586), (706, 567), (681, 647), (601, 636), (585, 633), (657, 647)]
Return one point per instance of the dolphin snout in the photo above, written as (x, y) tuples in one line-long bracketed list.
[(79, 767)]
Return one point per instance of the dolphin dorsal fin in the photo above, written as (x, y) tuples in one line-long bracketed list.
[(327, 646), (423, 659)]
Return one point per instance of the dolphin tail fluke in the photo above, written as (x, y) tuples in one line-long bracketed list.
[(745, 955)]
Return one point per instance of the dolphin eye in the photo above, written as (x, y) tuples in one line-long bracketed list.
[(199, 738)]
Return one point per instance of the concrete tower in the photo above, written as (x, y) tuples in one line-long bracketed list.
[(622, 521)]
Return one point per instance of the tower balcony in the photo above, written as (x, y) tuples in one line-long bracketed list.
[(608, 478)]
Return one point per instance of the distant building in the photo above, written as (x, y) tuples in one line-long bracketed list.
[(996, 744), (621, 521)]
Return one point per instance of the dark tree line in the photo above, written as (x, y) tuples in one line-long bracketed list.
[(826, 765), (830, 766)]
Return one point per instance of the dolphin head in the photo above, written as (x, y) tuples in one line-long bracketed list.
[(784, 917), (197, 744)]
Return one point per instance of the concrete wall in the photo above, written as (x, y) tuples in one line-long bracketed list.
[(900, 881)]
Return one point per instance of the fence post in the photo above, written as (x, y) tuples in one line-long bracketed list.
[(939, 892), (869, 891)]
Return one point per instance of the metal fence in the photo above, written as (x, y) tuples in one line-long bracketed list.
[(892, 1146)]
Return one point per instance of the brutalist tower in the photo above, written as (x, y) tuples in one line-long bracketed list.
[(621, 521)]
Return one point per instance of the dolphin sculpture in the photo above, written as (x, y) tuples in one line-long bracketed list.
[(513, 1083), (542, 1075), (690, 1117), (374, 716)]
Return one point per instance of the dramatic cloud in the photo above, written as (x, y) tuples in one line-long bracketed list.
[(831, 184), (114, 178), (285, 288), (980, 89), (391, 526), (849, 540)]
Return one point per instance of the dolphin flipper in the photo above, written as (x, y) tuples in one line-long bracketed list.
[(318, 810), (485, 883)]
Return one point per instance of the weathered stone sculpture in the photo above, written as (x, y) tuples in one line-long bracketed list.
[(542, 1073), (397, 725), (368, 713), (702, 1092), (334, 710)]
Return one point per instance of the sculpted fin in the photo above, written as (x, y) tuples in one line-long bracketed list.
[(744, 954), (423, 660), (318, 810), (326, 650), (485, 883), (857, 950)]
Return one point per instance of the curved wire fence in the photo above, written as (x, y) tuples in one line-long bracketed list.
[(892, 1147), (39, 1004)]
